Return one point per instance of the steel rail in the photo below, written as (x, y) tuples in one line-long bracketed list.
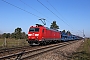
[(30, 53), (36, 52)]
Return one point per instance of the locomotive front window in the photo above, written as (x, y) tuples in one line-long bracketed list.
[(34, 30)]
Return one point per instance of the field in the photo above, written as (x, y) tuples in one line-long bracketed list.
[(12, 43), (83, 53)]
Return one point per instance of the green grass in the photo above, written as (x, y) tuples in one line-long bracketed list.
[(13, 43), (83, 53)]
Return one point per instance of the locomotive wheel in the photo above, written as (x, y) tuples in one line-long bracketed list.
[(45, 43)]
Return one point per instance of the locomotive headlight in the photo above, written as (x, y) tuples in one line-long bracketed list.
[(29, 34), (36, 34)]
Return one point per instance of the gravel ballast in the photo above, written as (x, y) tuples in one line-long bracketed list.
[(62, 53)]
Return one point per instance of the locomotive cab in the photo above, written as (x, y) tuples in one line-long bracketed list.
[(35, 34)]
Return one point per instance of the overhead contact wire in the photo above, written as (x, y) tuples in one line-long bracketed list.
[(52, 12), (33, 8), (20, 8), (59, 13)]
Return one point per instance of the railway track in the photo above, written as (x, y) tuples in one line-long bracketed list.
[(7, 51), (28, 54)]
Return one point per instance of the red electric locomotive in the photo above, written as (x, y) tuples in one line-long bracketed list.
[(41, 35)]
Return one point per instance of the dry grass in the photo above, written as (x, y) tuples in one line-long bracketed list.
[(83, 53), (13, 42)]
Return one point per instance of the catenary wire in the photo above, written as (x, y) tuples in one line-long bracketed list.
[(58, 12), (34, 9), (21, 8), (32, 13), (53, 7), (55, 14)]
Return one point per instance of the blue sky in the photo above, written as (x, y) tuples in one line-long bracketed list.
[(74, 13)]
